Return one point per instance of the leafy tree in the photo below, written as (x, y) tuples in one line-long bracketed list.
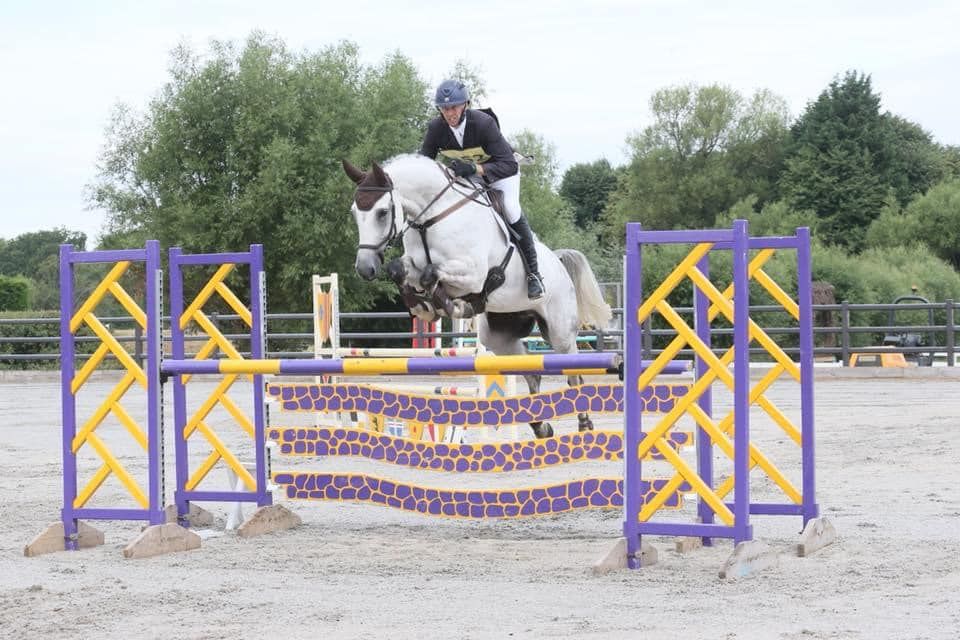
[(951, 161), (776, 218), (841, 186), (934, 219), (586, 187), (846, 156), (707, 149), (14, 293), (244, 146), (891, 228), (36, 256), (24, 254), (549, 216)]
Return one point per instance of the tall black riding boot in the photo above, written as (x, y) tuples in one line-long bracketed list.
[(529, 252)]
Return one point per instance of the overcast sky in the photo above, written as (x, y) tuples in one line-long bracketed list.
[(579, 73)]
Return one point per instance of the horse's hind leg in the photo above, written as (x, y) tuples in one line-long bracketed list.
[(584, 423), (540, 429), (502, 333), (562, 336)]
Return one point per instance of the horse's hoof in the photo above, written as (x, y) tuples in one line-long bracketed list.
[(585, 424), (542, 430), (463, 309)]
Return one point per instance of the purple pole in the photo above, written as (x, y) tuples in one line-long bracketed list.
[(68, 401), (701, 306), (741, 383), (258, 291), (633, 286), (549, 364), (805, 299)]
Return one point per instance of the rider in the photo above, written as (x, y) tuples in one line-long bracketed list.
[(471, 139)]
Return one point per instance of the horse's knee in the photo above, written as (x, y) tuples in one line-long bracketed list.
[(429, 277), (397, 271)]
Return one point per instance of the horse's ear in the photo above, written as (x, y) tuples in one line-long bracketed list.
[(354, 173), (380, 175)]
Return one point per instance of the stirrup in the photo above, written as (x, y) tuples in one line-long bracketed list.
[(535, 288)]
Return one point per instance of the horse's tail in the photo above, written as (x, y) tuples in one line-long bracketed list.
[(592, 309)]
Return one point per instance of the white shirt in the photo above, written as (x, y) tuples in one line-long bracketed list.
[(458, 131)]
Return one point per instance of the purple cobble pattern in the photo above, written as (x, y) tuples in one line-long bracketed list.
[(588, 493), (470, 412), (464, 458)]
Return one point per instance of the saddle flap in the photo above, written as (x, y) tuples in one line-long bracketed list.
[(496, 201)]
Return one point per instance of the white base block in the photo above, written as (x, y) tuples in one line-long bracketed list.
[(161, 538), (818, 533), (616, 558), (51, 539), (197, 516), (748, 558), (267, 520)]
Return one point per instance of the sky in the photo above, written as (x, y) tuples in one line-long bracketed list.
[(578, 73)]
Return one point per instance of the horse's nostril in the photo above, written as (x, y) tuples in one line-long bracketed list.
[(366, 269)]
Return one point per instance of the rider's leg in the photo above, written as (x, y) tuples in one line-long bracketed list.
[(510, 187), (529, 250)]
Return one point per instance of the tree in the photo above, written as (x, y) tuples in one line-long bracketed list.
[(845, 156), (841, 186), (244, 147), (586, 187), (14, 293), (702, 153), (549, 216), (932, 219), (36, 257), (25, 254)]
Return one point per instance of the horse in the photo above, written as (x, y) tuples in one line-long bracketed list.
[(458, 261)]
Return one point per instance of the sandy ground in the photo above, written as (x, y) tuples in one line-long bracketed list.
[(888, 454)]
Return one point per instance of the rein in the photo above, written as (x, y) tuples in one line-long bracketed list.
[(420, 227)]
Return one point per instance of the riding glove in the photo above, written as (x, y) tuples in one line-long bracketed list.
[(463, 168)]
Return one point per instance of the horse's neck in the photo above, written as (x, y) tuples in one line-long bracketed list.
[(427, 199)]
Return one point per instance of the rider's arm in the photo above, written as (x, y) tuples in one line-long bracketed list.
[(501, 163), (431, 140)]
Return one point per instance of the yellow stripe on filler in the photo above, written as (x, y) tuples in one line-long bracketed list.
[(374, 366), (498, 364), (250, 366)]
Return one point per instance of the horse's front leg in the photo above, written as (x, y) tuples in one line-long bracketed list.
[(399, 270), (447, 281)]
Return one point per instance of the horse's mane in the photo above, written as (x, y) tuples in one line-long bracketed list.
[(415, 170)]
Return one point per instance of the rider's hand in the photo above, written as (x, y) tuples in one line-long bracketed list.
[(463, 168)]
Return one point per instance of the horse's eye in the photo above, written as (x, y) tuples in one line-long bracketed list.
[(382, 213)]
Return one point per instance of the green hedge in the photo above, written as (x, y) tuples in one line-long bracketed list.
[(14, 293)]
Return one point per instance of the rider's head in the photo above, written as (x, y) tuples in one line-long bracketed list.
[(452, 100)]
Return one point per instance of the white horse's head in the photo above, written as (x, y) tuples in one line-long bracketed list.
[(376, 210)]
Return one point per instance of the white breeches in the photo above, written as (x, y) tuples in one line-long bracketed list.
[(510, 188)]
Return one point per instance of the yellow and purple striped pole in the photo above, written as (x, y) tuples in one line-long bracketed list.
[(597, 363)]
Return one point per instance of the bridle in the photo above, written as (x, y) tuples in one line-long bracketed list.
[(393, 233)]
